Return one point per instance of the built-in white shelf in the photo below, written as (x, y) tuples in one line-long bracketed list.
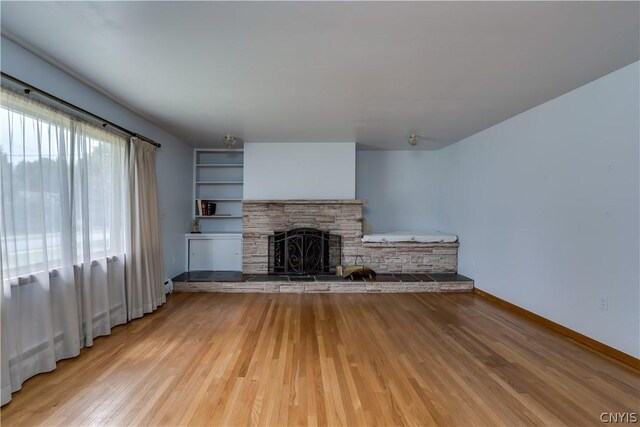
[(220, 165), (219, 183), (218, 216), (210, 235)]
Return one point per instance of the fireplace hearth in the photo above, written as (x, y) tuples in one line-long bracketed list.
[(304, 251)]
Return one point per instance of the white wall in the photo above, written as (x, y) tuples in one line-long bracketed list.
[(324, 170), (174, 159), (401, 188), (546, 207)]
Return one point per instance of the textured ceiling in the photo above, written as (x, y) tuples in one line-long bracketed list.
[(340, 71)]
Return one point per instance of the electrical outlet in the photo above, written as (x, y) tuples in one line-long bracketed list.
[(604, 304)]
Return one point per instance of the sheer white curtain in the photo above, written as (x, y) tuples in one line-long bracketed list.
[(98, 227), (62, 236), (145, 275)]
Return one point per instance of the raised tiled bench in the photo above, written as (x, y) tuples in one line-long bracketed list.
[(410, 257)]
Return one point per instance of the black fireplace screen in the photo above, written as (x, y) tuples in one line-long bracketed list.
[(304, 251)]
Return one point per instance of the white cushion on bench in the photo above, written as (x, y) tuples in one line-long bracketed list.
[(410, 236)]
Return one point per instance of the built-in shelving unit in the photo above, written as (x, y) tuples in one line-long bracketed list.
[(218, 178)]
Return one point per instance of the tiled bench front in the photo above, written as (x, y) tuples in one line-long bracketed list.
[(387, 283)]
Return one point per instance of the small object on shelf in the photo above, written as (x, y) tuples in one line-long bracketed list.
[(211, 208), (195, 226), (205, 208)]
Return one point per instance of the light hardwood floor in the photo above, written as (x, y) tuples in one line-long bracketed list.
[(350, 359)]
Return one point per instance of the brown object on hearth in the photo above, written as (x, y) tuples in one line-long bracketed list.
[(358, 272)]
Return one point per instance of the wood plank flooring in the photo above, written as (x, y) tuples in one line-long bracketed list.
[(349, 359)]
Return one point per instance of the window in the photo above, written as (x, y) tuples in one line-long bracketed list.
[(63, 189)]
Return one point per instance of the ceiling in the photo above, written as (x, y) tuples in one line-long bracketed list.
[(370, 72)]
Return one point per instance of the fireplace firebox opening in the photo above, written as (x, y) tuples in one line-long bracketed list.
[(304, 251)]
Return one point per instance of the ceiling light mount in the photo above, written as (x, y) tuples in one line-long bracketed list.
[(413, 139), (230, 140)]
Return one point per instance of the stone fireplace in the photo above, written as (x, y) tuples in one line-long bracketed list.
[(262, 219)]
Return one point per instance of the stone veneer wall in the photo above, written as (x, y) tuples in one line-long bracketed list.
[(260, 218)]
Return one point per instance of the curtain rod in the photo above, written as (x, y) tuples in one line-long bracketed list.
[(29, 88)]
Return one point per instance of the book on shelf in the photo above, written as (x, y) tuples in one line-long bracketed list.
[(205, 207)]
